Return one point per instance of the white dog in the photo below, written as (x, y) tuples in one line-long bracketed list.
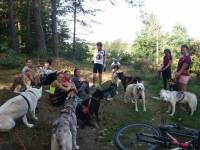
[(65, 128), (115, 78), (18, 107), (171, 98), (136, 91)]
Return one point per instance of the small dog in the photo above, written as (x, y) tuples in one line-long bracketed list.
[(171, 98), (18, 107), (65, 128), (126, 80), (136, 91)]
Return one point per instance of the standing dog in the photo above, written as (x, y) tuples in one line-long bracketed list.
[(136, 91), (126, 80), (172, 99), (65, 128), (18, 107)]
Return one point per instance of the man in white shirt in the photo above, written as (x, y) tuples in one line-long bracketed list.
[(99, 63)]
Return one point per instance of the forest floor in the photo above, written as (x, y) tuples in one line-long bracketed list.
[(113, 114)]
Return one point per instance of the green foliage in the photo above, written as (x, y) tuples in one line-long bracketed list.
[(118, 49), (81, 53), (11, 59), (195, 51)]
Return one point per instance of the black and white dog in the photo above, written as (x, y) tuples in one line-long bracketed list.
[(91, 105), (126, 80), (65, 128)]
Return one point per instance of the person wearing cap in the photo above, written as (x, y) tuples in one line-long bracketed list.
[(166, 67), (99, 63)]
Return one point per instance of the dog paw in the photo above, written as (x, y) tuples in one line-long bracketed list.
[(145, 110), (136, 110), (30, 125), (36, 118), (167, 111), (77, 147), (171, 115)]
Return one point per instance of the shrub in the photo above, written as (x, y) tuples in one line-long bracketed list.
[(11, 59)]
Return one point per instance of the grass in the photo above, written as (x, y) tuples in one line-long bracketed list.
[(113, 113)]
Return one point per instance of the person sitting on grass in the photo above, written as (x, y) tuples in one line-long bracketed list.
[(82, 85), (47, 75), (59, 90)]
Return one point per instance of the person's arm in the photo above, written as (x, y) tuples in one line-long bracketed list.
[(60, 86), (169, 63), (184, 67), (104, 58)]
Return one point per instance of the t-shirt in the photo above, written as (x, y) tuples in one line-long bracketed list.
[(45, 71), (26, 69), (99, 56), (184, 60), (166, 60), (77, 82)]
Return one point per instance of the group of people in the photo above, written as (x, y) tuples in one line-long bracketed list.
[(60, 81), (181, 76)]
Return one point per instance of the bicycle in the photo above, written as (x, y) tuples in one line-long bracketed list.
[(145, 136)]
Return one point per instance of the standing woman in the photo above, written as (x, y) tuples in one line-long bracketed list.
[(166, 67), (182, 72)]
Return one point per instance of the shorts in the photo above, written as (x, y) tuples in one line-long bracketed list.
[(98, 68), (183, 79)]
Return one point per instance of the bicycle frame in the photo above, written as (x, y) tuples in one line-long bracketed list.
[(166, 142)]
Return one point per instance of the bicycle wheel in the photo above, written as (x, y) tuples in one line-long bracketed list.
[(125, 136)]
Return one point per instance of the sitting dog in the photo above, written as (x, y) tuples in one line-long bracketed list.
[(136, 91), (126, 80), (172, 99), (18, 107), (65, 128)]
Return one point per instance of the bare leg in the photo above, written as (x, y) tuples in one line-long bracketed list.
[(25, 121), (100, 79), (94, 78)]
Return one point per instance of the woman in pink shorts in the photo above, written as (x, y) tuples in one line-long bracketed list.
[(182, 73)]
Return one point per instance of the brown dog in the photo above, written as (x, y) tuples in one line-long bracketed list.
[(25, 80)]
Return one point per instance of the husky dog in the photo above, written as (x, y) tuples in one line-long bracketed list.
[(65, 128), (126, 80), (171, 98), (137, 92), (18, 107)]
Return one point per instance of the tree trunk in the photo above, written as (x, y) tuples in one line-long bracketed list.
[(54, 28), (74, 34), (40, 39), (12, 27), (28, 31)]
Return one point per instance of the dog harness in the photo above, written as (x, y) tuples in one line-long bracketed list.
[(26, 99), (180, 96)]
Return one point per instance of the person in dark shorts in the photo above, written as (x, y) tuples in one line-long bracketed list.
[(99, 63), (166, 67)]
